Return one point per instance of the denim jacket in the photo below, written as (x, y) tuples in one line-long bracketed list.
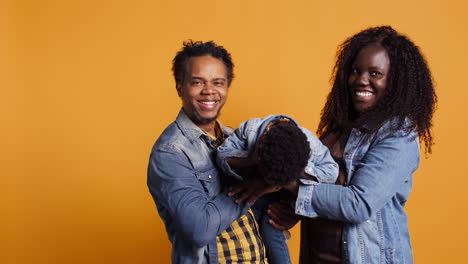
[(186, 187), (380, 169), (243, 141)]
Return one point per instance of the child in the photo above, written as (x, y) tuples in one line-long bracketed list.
[(276, 149)]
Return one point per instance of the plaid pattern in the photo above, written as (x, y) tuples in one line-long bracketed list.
[(218, 138), (241, 242)]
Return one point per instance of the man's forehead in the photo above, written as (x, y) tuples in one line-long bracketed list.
[(206, 67), (194, 77), (205, 61)]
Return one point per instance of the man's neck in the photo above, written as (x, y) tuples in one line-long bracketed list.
[(208, 128)]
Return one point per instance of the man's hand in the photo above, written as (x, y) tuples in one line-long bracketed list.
[(252, 189), (282, 215)]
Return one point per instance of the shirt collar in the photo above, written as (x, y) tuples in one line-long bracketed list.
[(192, 131)]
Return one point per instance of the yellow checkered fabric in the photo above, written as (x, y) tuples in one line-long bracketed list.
[(241, 242), (218, 138)]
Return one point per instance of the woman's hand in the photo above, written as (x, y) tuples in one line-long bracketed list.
[(282, 215), (252, 189)]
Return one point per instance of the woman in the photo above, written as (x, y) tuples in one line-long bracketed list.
[(380, 106)]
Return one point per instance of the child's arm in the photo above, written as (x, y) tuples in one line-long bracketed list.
[(236, 152), (241, 162), (306, 176), (321, 164)]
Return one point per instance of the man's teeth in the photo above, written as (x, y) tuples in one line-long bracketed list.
[(363, 93), (208, 102)]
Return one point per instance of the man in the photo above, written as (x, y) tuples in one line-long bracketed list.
[(187, 187)]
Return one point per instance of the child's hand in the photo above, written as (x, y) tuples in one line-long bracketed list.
[(251, 190)]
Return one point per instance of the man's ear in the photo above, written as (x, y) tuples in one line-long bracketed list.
[(179, 89)]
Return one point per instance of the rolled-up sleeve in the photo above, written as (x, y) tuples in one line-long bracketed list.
[(304, 198), (321, 164)]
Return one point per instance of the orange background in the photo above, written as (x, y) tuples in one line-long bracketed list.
[(87, 88)]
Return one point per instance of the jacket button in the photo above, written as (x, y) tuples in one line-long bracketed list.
[(210, 176)]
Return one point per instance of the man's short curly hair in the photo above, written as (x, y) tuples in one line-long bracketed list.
[(196, 49), (282, 152)]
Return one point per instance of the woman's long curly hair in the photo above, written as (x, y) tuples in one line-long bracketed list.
[(409, 92)]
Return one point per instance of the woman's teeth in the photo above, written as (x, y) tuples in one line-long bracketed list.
[(363, 93)]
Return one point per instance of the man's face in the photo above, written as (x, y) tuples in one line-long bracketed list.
[(204, 89)]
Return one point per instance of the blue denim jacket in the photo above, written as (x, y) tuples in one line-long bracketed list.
[(186, 187), (244, 139), (380, 169)]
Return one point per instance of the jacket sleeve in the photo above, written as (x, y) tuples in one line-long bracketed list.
[(321, 164), (175, 188), (240, 144), (387, 165)]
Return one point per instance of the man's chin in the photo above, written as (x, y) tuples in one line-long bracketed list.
[(206, 120)]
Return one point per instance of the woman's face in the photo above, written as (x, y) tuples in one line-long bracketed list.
[(368, 79)]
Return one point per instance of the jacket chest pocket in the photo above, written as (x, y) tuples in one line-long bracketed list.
[(209, 178)]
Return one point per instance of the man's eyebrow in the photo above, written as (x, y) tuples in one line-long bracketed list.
[(203, 79)]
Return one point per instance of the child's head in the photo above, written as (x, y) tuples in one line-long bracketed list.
[(408, 89), (282, 153)]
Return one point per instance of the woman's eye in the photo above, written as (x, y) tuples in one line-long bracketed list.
[(375, 73)]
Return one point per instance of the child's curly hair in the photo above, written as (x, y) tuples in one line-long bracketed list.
[(282, 152)]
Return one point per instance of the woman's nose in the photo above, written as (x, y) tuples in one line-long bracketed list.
[(363, 79)]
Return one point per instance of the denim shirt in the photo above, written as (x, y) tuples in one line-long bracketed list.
[(244, 139), (380, 169), (186, 187)]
